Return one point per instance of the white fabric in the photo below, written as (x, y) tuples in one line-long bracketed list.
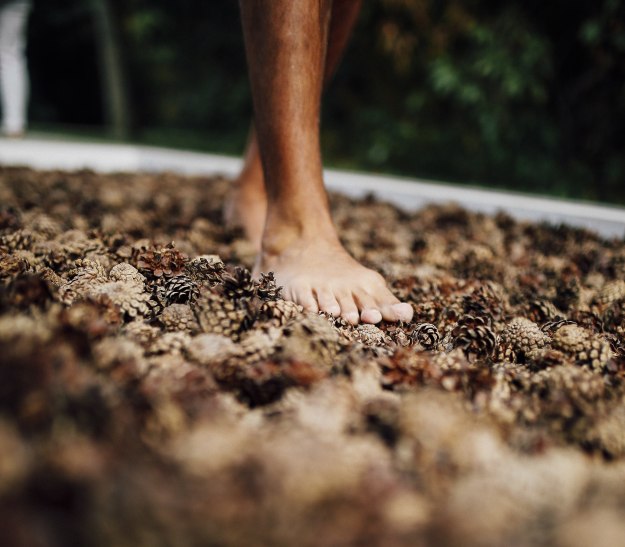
[(14, 84)]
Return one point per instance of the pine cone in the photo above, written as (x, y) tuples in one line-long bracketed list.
[(167, 261), (217, 315), (370, 335), (205, 268), (614, 318), (257, 345), (51, 277), (212, 349), (583, 346), (396, 333), (425, 334), (77, 244), (237, 283), (266, 288), (12, 265), (475, 336), (29, 290), (611, 292), (567, 294), (178, 317), (42, 224), (170, 342), (521, 337), (279, 312), (141, 332), (87, 269), (543, 310), (310, 338), (131, 298), (127, 273), (180, 290), (18, 240), (84, 278), (10, 218)]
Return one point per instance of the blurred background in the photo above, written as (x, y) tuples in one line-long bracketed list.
[(520, 94)]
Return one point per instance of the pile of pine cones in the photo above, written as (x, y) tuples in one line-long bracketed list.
[(152, 392)]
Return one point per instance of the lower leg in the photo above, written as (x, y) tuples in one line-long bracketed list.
[(285, 45), (246, 204)]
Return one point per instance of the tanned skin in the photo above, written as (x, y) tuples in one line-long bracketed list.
[(293, 48)]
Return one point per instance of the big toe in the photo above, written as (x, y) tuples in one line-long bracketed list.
[(398, 312)]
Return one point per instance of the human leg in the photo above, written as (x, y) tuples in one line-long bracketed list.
[(286, 50), (246, 205), (13, 70)]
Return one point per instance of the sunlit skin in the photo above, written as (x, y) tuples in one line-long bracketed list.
[(279, 199)]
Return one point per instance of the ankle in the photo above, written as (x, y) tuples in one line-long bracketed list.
[(291, 231)]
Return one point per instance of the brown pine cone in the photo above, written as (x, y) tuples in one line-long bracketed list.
[(310, 338), (279, 312), (84, 278), (257, 345), (215, 314), (167, 261), (170, 342), (12, 265), (179, 317), (425, 334), (583, 346), (521, 337), (51, 277), (475, 336), (10, 218), (543, 310), (370, 335), (42, 224), (127, 273), (141, 332), (180, 290), (18, 240), (131, 298), (611, 292), (29, 290), (266, 288), (205, 268), (237, 283)]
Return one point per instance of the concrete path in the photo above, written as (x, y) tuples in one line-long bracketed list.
[(408, 193)]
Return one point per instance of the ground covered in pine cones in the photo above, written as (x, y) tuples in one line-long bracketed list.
[(151, 393)]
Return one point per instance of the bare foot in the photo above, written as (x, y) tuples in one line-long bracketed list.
[(246, 207), (319, 274)]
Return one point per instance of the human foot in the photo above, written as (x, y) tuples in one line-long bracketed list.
[(246, 207), (320, 275)]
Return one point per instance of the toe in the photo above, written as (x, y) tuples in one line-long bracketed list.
[(370, 315), (328, 303), (304, 297), (404, 311), (396, 311), (399, 311), (349, 310), (369, 310)]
